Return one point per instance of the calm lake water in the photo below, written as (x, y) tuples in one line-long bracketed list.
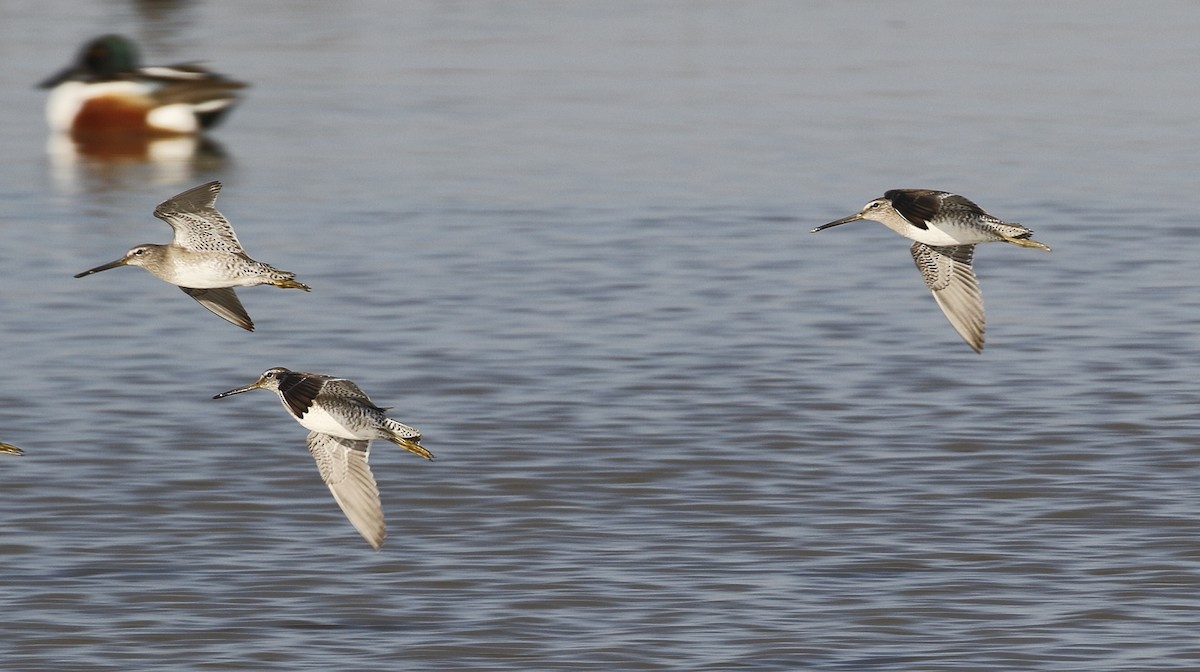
[(675, 431)]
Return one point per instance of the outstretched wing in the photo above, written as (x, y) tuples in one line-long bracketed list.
[(300, 390), (948, 273), (224, 303), (345, 389), (196, 222), (921, 206), (343, 467)]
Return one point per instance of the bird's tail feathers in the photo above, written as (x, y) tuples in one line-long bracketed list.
[(1027, 242), (407, 438), (285, 280)]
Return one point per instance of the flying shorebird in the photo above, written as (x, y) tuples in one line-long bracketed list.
[(204, 259), (342, 423), (946, 228), (9, 449)]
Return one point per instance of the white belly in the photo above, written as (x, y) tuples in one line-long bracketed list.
[(209, 271), (940, 238), (317, 420)]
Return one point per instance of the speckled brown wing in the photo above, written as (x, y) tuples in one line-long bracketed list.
[(348, 390), (948, 274), (343, 466), (196, 223)]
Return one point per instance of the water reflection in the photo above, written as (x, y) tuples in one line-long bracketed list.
[(75, 161)]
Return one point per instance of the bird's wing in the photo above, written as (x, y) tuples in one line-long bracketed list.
[(962, 207), (346, 389), (343, 466), (196, 222), (918, 206), (223, 303), (187, 83), (921, 206), (948, 273), (299, 390)]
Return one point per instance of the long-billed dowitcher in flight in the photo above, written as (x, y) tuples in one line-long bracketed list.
[(946, 228), (204, 259), (342, 422)]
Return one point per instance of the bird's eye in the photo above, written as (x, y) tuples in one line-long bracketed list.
[(138, 252)]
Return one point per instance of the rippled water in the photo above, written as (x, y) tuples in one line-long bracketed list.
[(675, 431)]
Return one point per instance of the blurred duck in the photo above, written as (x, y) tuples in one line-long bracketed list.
[(106, 92)]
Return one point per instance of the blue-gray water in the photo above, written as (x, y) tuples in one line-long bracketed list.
[(675, 431)]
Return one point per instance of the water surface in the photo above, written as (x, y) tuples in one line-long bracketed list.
[(569, 241)]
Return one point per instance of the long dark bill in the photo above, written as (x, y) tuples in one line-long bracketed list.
[(844, 220), (105, 267)]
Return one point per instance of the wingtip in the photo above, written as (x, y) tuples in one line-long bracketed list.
[(246, 324), (973, 340), (373, 537)]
